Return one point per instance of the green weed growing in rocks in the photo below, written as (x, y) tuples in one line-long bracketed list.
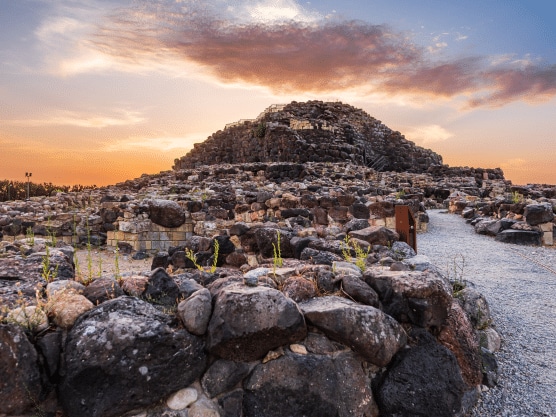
[(400, 195), (516, 197), (215, 256), (30, 235), (48, 273), (100, 265), (76, 263), (118, 276), (260, 130), (74, 239), (277, 261), (51, 234), (193, 258), (455, 273), (360, 253), (32, 318)]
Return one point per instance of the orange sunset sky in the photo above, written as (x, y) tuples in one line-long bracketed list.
[(100, 91)]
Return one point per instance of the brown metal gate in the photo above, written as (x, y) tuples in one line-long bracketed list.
[(406, 226)]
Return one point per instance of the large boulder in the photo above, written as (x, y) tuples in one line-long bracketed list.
[(166, 213), (299, 288), (337, 247), (459, 336), (65, 307), (538, 213), (247, 322), (488, 227), (102, 289), (311, 386), (382, 209), (476, 306), (376, 235), (267, 242), (161, 288), (319, 257), (420, 298), (368, 331), (26, 272), (423, 380), (20, 385), (520, 237), (125, 354), (195, 312), (359, 290)]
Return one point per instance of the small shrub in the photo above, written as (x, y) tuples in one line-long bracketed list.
[(260, 130), (517, 197), (31, 322)]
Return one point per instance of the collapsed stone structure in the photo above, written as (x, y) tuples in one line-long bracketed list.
[(242, 349), (255, 304)]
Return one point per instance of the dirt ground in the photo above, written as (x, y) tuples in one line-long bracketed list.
[(103, 262)]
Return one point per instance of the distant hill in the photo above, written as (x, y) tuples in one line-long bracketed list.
[(313, 131)]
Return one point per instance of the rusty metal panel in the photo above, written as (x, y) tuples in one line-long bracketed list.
[(406, 226)]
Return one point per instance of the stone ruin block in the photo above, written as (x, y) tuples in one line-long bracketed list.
[(390, 223), (377, 222)]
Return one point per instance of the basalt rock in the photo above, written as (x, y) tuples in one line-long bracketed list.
[(247, 322), (420, 298), (309, 385), (102, 289), (123, 354), (520, 237), (20, 387), (370, 332), (423, 380), (538, 213), (166, 213)]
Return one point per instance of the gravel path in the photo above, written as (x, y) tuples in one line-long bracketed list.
[(519, 283)]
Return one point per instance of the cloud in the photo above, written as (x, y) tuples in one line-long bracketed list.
[(159, 144), (273, 11), (86, 120), (288, 49), (425, 135), (514, 164)]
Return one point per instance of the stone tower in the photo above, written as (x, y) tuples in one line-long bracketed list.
[(313, 131)]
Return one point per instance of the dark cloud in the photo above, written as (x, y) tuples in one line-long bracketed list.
[(316, 57)]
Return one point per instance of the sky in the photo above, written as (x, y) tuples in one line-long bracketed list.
[(101, 91)]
